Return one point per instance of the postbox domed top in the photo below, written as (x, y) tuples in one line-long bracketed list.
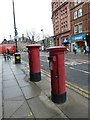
[(57, 48), (33, 45)]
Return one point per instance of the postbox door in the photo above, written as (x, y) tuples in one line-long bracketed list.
[(54, 75)]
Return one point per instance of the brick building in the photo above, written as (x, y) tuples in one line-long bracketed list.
[(80, 24), (71, 23), (61, 21)]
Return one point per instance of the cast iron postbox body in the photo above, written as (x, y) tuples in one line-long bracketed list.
[(34, 62), (56, 63)]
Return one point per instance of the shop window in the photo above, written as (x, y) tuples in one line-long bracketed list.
[(79, 12), (80, 28), (75, 14)]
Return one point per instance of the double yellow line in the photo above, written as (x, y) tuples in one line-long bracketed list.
[(74, 87)]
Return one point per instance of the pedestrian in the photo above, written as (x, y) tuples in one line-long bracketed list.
[(8, 54), (4, 54), (87, 49), (75, 49), (84, 48)]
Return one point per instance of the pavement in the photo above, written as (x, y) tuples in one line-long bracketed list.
[(21, 98)]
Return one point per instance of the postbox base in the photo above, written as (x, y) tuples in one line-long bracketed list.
[(58, 98), (35, 77)]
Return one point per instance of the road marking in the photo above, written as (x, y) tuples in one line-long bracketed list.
[(44, 55), (73, 63), (78, 60), (74, 87), (80, 70), (44, 60)]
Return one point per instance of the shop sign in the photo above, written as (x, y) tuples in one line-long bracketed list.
[(78, 37), (65, 40)]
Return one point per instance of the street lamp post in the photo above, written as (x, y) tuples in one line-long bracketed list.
[(43, 40), (15, 29), (42, 33)]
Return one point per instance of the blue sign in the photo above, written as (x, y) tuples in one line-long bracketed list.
[(65, 40), (77, 37)]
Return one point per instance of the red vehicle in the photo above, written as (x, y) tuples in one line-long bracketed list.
[(11, 47)]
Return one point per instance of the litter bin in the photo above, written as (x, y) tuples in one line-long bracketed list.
[(17, 58)]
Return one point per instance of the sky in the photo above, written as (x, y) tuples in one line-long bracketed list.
[(31, 15)]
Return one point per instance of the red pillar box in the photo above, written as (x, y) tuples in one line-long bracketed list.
[(34, 62), (56, 63)]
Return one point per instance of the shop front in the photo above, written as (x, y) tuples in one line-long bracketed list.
[(78, 41)]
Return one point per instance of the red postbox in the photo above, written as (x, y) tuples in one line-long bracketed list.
[(34, 62), (56, 63)]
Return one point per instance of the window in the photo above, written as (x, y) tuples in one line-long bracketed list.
[(79, 12), (75, 29), (80, 28), (75, 14), (79, 1), (75, 2)]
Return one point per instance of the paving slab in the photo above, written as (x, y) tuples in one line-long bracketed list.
[(10, 77), (18, 98), (74, 107), (23, 83), (18, 72), (44, 84), (42, 107), (11, 92), (31, 90), (20, 76), (0, 86), (23, 112), (7, 73), (10, 107), (9, 83), (1, 110)]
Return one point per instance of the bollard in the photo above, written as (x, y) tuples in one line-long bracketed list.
[(57, 69), (17, 58), (34, 62)]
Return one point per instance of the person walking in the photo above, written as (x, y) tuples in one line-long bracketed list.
[(75, 49), (4, 54), (8, 54), (84, 48)]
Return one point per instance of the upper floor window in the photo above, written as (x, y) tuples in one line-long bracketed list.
[(75, 29), (80, 28), (75, 2), (75, 14), (79, 12), (79, 1)]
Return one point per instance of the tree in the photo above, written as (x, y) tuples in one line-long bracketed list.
[(33, 36)]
